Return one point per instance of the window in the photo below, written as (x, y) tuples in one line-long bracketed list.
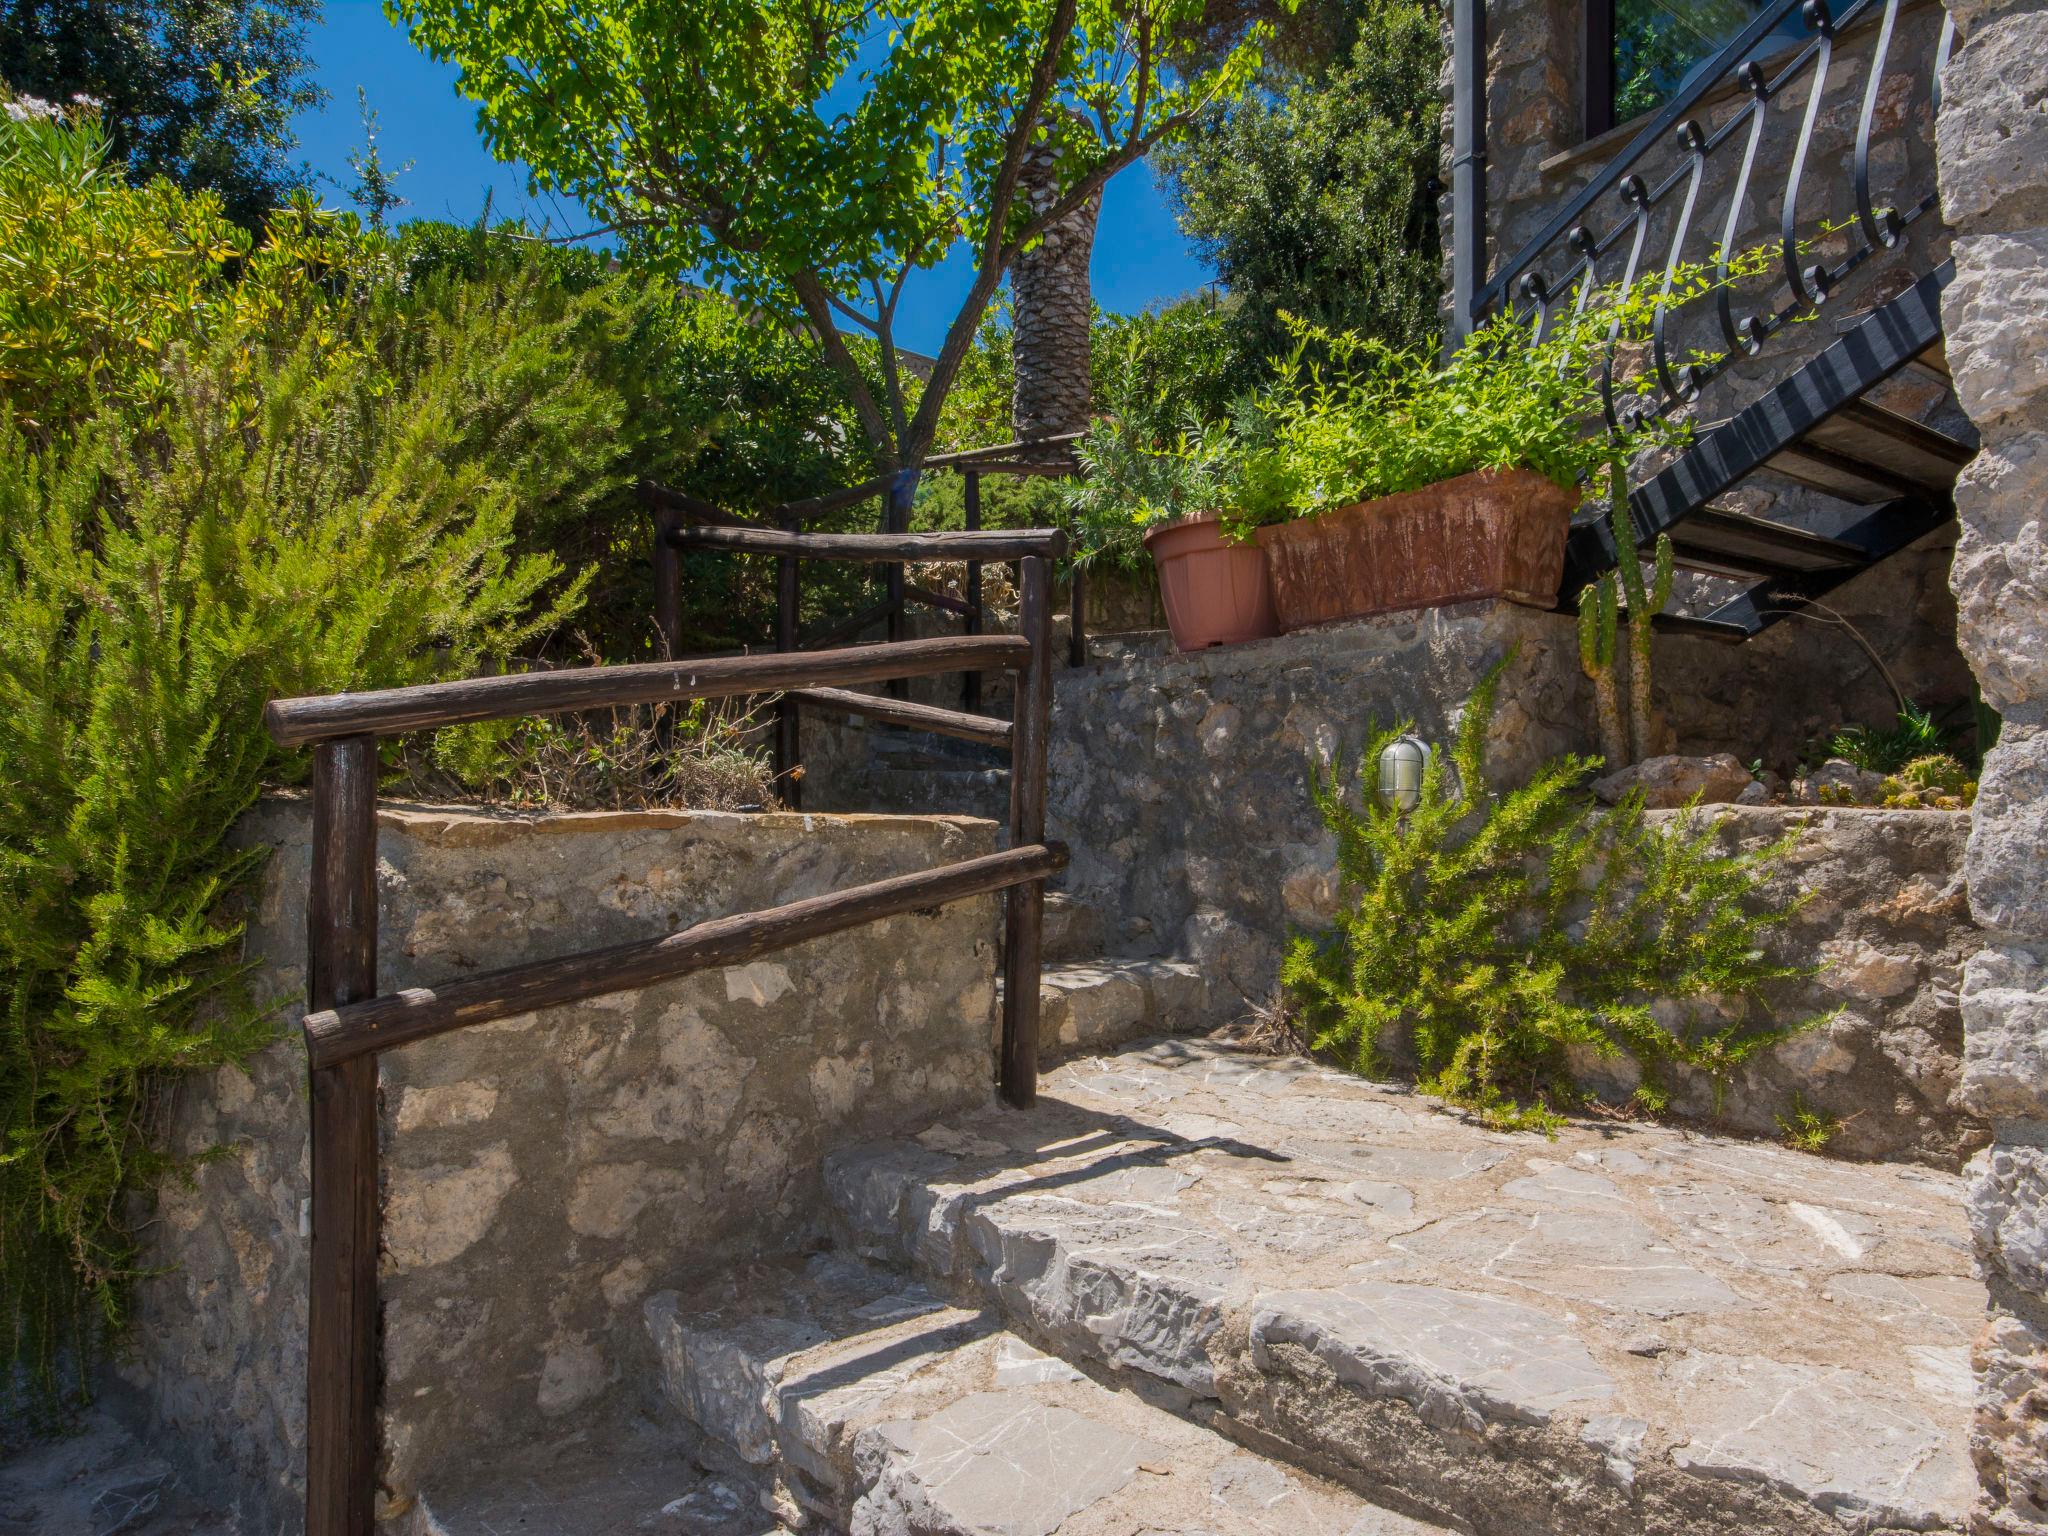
[(1641, 53)]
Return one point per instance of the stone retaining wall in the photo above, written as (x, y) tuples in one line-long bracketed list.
[(545, 1174), (1992, 136), (1180, 784)]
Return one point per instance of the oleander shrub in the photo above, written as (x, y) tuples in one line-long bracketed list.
[(1487, 938)]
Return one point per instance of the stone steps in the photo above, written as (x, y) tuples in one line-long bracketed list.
[(1627, 1331), (1074, 929), (595, 1483), (1095, 1005), (864, 1404)]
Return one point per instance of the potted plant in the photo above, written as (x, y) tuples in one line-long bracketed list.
[(1139, 497), (1377, 479)]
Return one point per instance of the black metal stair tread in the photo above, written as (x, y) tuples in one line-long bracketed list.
[(1841, 475), (1898, 446), (1736, 543)]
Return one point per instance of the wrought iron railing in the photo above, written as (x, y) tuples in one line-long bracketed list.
[(1589, 245)]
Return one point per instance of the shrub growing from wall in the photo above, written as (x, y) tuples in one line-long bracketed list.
[(1485, 938)]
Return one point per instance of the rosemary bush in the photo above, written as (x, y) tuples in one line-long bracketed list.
[(1486, 936)]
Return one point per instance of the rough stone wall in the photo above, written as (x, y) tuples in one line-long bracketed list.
[(1886, 924), (1993, 143), (546, 1173), (1179, 784)]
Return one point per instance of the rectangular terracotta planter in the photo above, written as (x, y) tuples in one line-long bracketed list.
[(1492, 533)]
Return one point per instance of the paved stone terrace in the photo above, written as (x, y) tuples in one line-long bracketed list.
[(1627, 1329)]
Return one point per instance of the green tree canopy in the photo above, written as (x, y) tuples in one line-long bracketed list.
[(1312, 197), (201, 91), (809, 154)]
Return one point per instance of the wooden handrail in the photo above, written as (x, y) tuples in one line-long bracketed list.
[(986, 729), (341, 1034), (346, 1028), (990, 544), (295, 722)]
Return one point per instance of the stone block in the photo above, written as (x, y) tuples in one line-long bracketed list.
[(1991, 139), (2000, 572), (2009, 1440), (2009, 1212), (1995, 313), (2005, 1033), (2007, 862)]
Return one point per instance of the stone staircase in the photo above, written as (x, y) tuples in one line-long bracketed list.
[(1201, 1291)]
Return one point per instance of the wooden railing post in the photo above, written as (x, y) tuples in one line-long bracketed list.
[(1077, 633), (896, 519), (788, 744), (970, 685), (1024, 909), (668, 585), (341, 967)]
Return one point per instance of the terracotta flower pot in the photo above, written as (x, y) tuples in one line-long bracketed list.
[(1216, 592), (1492, 533)]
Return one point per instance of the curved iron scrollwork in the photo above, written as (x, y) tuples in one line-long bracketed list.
[(1647, 188)]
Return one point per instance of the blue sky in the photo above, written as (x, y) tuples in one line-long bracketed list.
[(1140, 256)]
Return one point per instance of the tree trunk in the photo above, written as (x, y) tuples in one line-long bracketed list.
[(1053, 307)]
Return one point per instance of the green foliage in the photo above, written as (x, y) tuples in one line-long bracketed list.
[(100, 278), (1360, 419), (1131, 482), (1486, 937), (1937, 782), (1889, 748), (1807, 1129), (1314, 199), (200, 91), (308, 477), (375, 188), (806, 157)]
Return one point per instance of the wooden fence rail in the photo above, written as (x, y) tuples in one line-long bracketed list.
[(347, 1025)]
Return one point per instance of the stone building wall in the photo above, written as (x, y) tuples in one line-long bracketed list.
[(1993, 144), (546, 1173)]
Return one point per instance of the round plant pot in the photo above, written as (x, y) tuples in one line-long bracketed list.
[(1216, 592), (1491, 534)]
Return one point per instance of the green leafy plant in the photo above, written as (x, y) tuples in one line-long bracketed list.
[(1807, 1129), (1936, 782), (1486, 939), (1130, 482), (1350, 418), (1889, 748)]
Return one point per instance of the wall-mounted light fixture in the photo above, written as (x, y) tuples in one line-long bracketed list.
[(1402, 765)]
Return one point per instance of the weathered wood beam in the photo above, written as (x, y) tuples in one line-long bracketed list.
[(918, 717), (990, 544), (359, 1030), (294, 722)]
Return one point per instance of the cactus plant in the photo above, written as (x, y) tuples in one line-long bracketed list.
[(1599, 617), (1627, 735)]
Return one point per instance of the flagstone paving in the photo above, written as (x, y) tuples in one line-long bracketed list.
[(1627, 1328)]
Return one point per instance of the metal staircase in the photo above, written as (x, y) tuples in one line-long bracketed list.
[(1766, 137), (1820, 428)]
